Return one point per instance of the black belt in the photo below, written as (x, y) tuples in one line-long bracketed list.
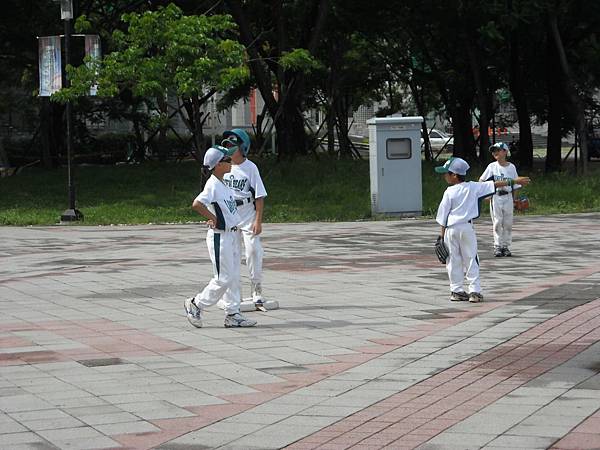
[(216, 230), (502, 192), (241, 202)]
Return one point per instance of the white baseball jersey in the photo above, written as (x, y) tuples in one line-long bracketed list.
[(494, 171), (460, 202), (247, 185), (219, 199), (245, 181), (501, 208)]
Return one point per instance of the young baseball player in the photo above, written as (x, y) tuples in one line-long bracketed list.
[(249, 193), (217, 204), (501, 205), (456, 212)]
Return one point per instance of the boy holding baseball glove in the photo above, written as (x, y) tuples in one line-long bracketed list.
[(457, 244)]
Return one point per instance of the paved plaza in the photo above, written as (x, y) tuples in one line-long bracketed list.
[(366, 351)]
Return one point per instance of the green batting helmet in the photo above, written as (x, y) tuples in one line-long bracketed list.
[(237, 137)]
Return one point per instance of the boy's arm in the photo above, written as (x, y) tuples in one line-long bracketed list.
[(523, 181), (201, 209), (516, 185), (260, 206), (443, 212)]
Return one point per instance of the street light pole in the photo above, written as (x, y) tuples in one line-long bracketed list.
[(71, 214)]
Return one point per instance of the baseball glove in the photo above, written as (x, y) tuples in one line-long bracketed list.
[(521, 203), (441, 251)]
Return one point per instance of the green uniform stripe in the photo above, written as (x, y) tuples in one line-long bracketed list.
[(217, 247)]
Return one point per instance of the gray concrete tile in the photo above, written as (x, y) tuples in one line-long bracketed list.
[(322, 281), (109, 418), (513, 441), (11, 439), (139, 426), (528, 429), (9, 426)]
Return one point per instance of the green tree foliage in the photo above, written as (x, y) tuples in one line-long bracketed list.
[(281, 38), (166, 52), (453, 56)]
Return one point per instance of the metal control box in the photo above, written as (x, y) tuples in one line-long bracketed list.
[(395, 165)]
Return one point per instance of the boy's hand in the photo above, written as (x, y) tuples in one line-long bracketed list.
[(523, 181), (257, 228), (211, 222)]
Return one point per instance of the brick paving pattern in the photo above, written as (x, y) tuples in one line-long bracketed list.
[(365, 352)]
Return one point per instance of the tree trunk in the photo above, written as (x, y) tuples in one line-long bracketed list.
[(517, 89), (162, 134), (341, 112), (4, 161), (484, 137), (259, 130), (330, 128), (291, 136), (464, 143), (483, 102), (576, 103), (554, 147), (197, 132), (50, 114), (417, 95), (555, 112), (525, 156), (139, 152)]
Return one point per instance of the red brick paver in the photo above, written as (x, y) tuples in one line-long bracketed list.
[(585, 436), (412, 417)]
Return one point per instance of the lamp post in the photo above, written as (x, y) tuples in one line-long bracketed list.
[(72, 213)]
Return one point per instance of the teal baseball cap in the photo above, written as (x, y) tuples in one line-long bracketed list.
[(455, 165), (498, 146)]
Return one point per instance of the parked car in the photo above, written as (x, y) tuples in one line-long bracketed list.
[(438, 139)]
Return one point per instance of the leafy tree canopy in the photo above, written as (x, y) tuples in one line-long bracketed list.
[(164, 51)]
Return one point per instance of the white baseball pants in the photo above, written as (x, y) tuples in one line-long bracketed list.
[(463, 263), (223, 248), (501, 210), (252, 244)]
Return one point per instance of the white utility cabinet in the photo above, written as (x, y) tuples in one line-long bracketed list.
[(395, 165)]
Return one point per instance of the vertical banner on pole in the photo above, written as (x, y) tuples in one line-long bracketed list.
[(49, 65), (94, 51)]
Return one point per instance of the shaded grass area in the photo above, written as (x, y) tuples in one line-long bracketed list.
[(299, 191)]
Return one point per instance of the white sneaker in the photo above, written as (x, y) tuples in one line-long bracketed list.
[(475, 297), (237, 320), (461, 296), (194, 314)]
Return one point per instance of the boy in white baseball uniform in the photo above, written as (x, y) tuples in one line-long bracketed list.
[(249, 193), (217, 204), (456, 212), (501, 205)]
